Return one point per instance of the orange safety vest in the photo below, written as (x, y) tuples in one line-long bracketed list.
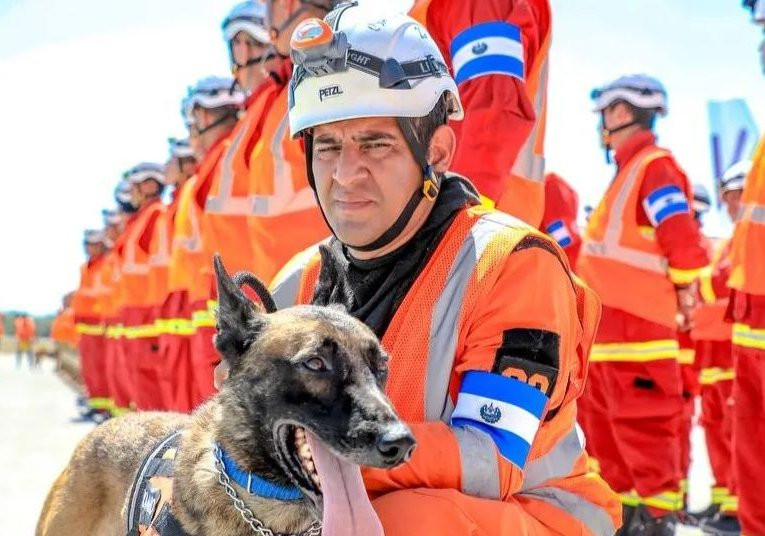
[(284, 217), (622, 262), (748, 245), (159, 254), (709, 319), (524, 196), (63, 329), (426, 338), (134, 269), (87, 299), (224, 221)]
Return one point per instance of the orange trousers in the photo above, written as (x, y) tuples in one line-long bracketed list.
[(175, 376)]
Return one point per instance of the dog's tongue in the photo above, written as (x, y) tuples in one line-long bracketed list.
[(347, 510)]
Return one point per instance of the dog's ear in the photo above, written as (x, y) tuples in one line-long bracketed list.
[(238, 319)]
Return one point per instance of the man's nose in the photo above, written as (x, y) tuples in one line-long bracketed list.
[(348, 167)]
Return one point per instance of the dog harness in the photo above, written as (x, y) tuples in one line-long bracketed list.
[(151, 496)]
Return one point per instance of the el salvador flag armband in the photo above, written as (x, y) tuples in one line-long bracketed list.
[(487, 48), (507, 409), (665, 202), (559, 232)]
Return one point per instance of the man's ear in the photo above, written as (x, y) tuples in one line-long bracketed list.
[(238, 321), (442, 147)]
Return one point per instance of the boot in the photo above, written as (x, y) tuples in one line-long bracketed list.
[(721, 525)]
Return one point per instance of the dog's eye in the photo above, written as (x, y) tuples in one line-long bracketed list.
[(316, 364)]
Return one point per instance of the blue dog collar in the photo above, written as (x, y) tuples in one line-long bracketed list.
[(253, 483)]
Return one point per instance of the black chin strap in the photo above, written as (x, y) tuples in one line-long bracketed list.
[(271, 54), (606, 135), (222, 119), (431, 183)]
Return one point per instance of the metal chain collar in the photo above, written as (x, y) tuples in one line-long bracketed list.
[(255, 524)]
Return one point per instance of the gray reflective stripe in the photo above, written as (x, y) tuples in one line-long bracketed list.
[(446, 313), (610, 246), (557, 463), (162, 256), (287, 283), (192, 243), (285, 199), (223, 203), (480, 468), (754, 212), (592, 516), (527, 164), (130, 266)]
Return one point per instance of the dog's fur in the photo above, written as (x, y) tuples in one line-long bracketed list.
[(271, 387)]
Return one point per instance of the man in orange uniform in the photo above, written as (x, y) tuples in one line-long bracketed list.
[(211, 108), (747, 311), (171, 321), (641, 251), (25, 331), (140, 343), (88, 317), (559, 220), (497, 51), (284, 217), (116, 222), (229, 199), (63, 330), (488, 381), (178, 169), (712, 336)]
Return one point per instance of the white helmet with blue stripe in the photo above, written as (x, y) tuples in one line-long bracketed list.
[(248, 17), (145, 171), (640, 90)]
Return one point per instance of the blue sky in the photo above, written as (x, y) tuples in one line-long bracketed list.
[(90, 88)]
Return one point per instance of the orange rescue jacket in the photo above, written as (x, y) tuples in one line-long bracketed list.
[(619, 259), (748, 245), (477, 291)]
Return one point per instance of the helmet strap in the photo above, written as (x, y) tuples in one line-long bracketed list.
[(222, 119), (429, 189)]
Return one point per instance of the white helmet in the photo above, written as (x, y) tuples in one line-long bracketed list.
[(210, 93), (702, 201), (640, 90), (734, 176), (93, 236), (358, 63), (180, 148), (248, 17), (144, 172)]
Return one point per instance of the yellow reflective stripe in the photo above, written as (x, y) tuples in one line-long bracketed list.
[(710, 376), (684, 277), (212, 306), (101, 403), (706, 289), (174, 326), (201, 319), (719, 494), (630, 498), (729, 504), (593, 465), (487, 203), (89, 329), (669, 500), (116, 412), (635, 351), (686, 356), (140, 332), (116, 331), (748, 337)]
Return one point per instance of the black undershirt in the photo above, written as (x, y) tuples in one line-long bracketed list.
[(371, 290)]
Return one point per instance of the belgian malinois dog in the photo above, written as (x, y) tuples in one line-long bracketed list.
[(302, 407)]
